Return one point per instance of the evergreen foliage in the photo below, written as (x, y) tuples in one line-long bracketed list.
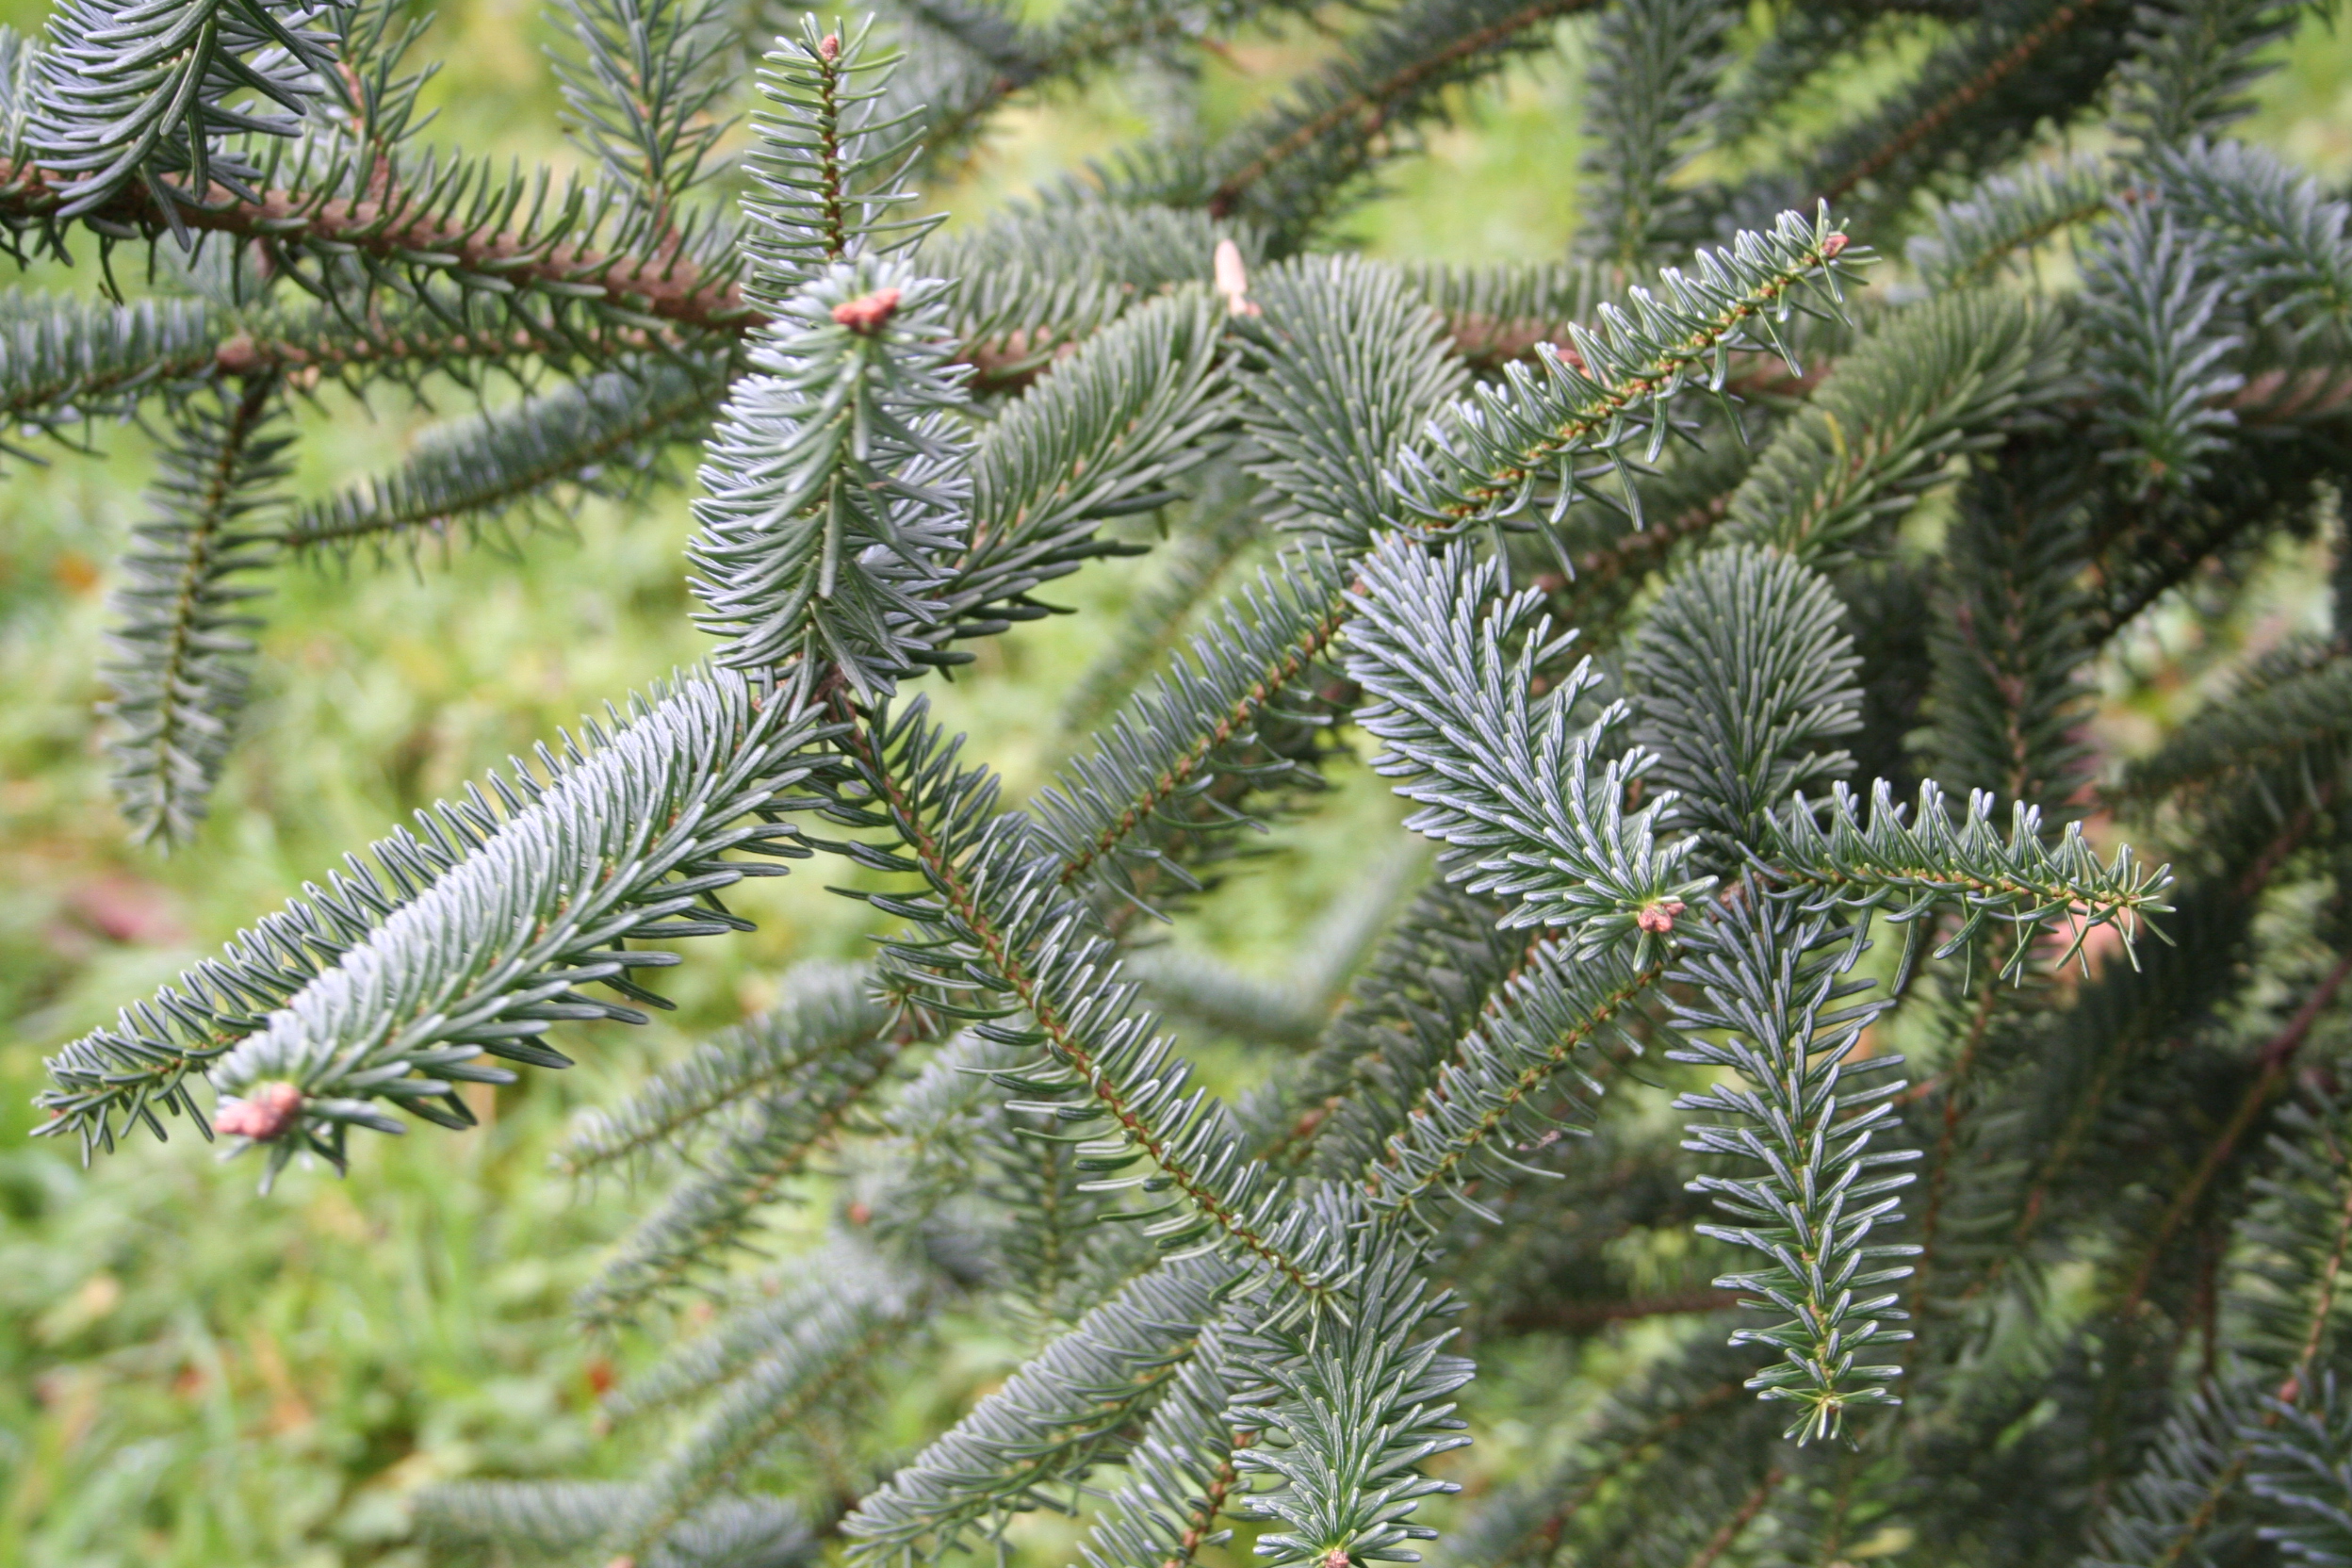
[(1710, 597)]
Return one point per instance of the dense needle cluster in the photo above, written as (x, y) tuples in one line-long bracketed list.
[(1727, 600)]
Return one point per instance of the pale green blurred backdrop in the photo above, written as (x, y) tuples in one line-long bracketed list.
[(194, 1374)]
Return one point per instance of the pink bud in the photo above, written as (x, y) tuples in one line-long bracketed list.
[(1657, 919), (866, 314), (830, 48), (266, 1113), (1831, 246)]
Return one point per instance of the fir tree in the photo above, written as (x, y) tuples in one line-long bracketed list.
[(1788, 965)]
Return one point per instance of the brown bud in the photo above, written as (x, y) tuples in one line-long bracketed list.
[(865, 314), (266, 1113), (1831, 246), (1658, 918), (1572, 359), (240, 356)]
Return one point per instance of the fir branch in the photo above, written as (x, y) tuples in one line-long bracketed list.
[(2275, 232), (2194, 59), (828, 1009), (1931, 860), (2004, 215), (2290, 1291), (828, 162), (1526, 1523), (1109, 813), (642, 82), (551, 1519), (1496, 1090), (755, 1327), (1350, 365), (1102, 435), (1070, 1409), (1183, 1472), (1289, 166), (143, 93), (1525, 807), (2303, 1470), (65, 361), (627, 841), (1984, 77), (2286, 723), (996, 935), (1740, 678), (1437, 973), (1657, 68), (123, 1073), (1346, 1415), (1544, 426), (1946, 378), (2177, 1508), (833, 1344), (837, 483), (2161, 351), (179, 646), (603, 434), (2008, 697), (712, 1214), (1768, 978)]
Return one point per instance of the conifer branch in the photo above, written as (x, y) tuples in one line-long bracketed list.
[(1289, 164), (825, 1076), (996, 928), (601, 433), (179, 643), (143, 96), (2006, 215), (65, 361), (1607, 387), (2007, 694), (828, 1008), (1933, 861), (842, 1335), (1345, 1416), (1183, 1471), (1514, 794), (1944, 379), (1221, 530), (1652, 87), (2288, 719), (838, 483), (628, 838), (1069, 1410), (1740, 681), (1549, 1019), (1978, 66), (551, 1518), (1439, 973), (1768, 978)]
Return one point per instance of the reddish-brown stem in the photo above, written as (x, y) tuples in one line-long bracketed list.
[(1370, 104), (2276, 1057), (2007, 64), (948, 878), (1735, 1526)]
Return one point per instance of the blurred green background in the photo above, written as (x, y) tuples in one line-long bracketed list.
[(191, 1373)]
